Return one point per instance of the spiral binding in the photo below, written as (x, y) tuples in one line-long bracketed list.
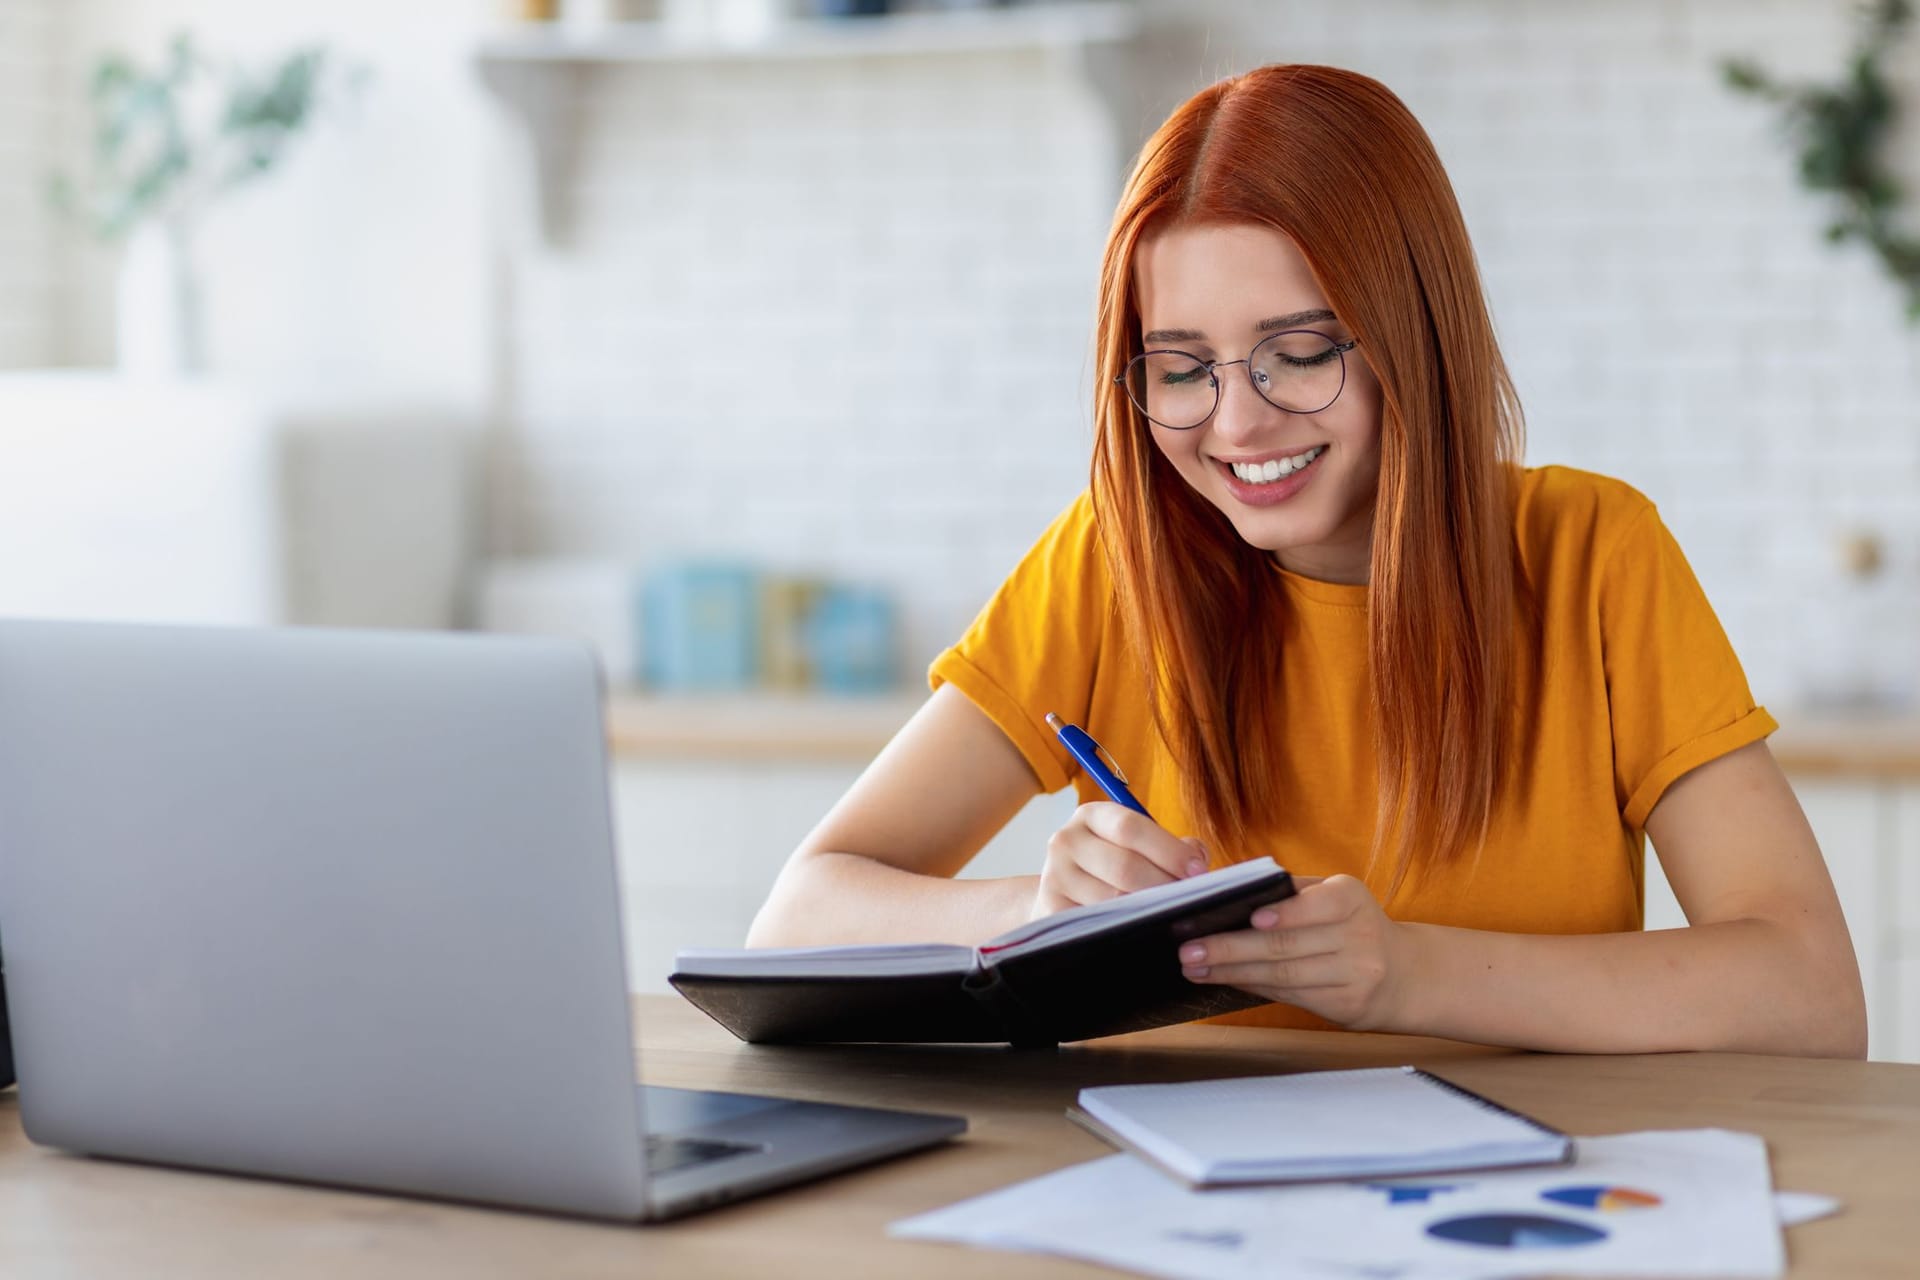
[(1482, 1100)]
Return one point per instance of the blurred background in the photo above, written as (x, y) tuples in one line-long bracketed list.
[(749, 340)]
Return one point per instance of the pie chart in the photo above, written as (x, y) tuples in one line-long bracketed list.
[(1605, 1199), (1516, 1231)]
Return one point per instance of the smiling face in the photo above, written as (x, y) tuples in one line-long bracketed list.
[(1216, 292)]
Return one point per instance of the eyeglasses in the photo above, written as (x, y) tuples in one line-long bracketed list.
[(1295, 370)]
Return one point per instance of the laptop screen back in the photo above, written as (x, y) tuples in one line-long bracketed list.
[(333, 906)]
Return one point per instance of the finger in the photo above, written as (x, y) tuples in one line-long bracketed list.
[(1117, 824), (1249, 945), (1268, 975), (1323, 901), (1080, 886), (1203, 856), (1124, 869)]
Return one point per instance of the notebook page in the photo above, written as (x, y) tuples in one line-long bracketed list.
[(879, 960), (1311, 1119), (1076, 921)]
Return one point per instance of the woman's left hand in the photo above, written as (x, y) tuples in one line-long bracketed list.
[(1329, 949)]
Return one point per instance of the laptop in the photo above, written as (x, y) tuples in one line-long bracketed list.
[(343, 907)]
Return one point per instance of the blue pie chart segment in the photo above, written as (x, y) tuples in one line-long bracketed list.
[(1516, 1231)]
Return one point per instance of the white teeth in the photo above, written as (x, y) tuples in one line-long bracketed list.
[(1274, 468)]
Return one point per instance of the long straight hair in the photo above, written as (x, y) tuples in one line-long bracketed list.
[(1336, 162)]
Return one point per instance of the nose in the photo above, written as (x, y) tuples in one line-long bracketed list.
[(1242, 413)]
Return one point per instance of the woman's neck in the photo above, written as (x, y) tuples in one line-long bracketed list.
[(1347, 565)]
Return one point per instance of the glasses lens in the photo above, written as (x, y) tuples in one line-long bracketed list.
[(1299, 371), (1172, 389)]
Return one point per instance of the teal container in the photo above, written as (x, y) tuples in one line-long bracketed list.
[(852, 640), (700, 626)]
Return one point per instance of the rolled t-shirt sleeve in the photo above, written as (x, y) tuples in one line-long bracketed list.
[(1676, 691), (1036, 645)]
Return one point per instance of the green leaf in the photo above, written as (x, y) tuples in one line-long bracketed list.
[(1744, 76), (152, 148), (1840, 132), (110, 76)]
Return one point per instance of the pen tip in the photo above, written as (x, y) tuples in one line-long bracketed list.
[(1053, 722)]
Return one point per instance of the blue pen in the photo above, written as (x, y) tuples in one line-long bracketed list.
[(1095, 761)]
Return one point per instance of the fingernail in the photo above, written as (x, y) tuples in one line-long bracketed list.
[(1265, 919), (1193, 953), (1196, 867), (1200, 971)]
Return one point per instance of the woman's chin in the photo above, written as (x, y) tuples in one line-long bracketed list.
[(1277, 533)]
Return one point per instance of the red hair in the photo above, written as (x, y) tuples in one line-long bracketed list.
[(1336, 162)]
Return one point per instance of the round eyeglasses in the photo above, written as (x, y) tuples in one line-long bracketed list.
[(1295, 370)]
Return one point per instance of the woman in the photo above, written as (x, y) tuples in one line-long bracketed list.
[(1318, 611)]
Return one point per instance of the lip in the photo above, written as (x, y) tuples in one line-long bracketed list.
[(1267, 495)]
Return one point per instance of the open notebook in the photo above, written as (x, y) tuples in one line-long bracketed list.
[(1317, 1125), (1097, 970)]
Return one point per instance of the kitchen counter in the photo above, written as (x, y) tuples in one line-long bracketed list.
[(1866, 744), (756, 726)]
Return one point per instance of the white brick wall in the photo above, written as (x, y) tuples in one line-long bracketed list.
[(1671, 312), (742, 342), (26, 118), (832, 315)]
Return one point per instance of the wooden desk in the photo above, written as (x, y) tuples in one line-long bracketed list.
[(1847, 1129)]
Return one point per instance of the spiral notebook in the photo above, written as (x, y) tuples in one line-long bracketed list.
[(1379, 1122)]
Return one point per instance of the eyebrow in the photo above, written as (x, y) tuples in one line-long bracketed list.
[(1272, 324)]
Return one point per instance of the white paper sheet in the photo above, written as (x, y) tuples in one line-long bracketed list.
[(1796, 1207), (1686, 1202)]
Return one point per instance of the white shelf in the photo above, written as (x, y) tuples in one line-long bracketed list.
[(1031, 26), (536, 72)]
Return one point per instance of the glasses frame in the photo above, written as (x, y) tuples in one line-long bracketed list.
[(1213, 376)]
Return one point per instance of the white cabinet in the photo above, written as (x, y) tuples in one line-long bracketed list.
[(191, 501), (142, 500), (1903, 854)]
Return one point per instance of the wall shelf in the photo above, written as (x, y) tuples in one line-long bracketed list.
[(537, 72), (1023, 27)]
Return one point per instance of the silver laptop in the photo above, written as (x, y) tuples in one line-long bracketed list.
[(343, 907)]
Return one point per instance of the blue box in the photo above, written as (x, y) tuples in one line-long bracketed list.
[(851, 640), (700, 626)]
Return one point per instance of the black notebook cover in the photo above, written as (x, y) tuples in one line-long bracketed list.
[(1122, 976)]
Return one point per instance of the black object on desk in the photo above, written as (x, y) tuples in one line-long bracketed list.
[(1091, 971)]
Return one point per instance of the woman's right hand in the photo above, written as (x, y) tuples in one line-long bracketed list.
[(1107, 849)]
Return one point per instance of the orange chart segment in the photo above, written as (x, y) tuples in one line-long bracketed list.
[(1604, 1199)]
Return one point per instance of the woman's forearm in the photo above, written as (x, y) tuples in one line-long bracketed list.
[(1751, 986), (832, 899)]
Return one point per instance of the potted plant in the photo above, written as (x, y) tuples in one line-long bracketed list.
[(1843, 130), (168, 142)]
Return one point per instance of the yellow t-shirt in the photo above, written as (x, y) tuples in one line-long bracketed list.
[(1637, 685)]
